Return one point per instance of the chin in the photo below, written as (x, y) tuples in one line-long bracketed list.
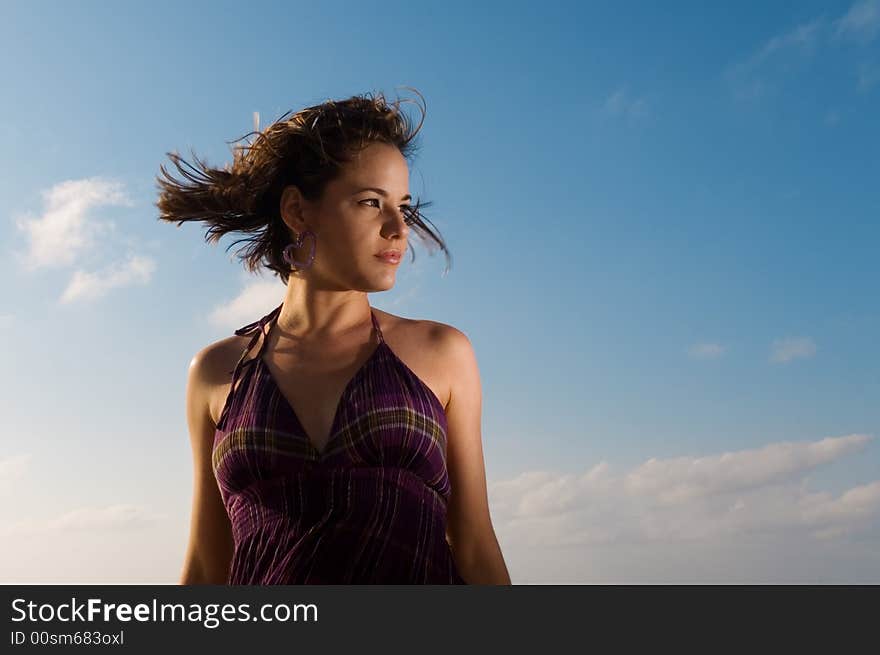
[(371, 283), (384, 285)]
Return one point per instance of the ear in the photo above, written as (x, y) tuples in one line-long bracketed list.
[(294, 208)]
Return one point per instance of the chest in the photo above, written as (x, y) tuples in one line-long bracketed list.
[(314, 387), (386, 418)]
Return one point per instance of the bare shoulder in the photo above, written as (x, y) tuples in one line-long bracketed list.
[(423, 333), (435, 351), (454, 347), (211, 370)]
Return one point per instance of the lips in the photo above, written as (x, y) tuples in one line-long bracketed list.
[(390, 256)]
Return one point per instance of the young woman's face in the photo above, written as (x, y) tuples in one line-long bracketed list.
[(362, 213)]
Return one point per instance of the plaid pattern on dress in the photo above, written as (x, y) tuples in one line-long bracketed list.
[(370, 508)]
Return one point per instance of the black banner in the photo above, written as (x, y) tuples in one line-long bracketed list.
[(144, 618)]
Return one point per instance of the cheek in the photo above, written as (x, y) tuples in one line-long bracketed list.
[(347, 241), (349, 232)]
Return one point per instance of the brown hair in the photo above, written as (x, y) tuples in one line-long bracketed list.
[(306, 150)]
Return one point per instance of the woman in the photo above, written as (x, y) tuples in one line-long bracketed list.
[(333, 443)]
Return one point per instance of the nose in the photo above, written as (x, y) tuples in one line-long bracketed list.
[(398, 222)]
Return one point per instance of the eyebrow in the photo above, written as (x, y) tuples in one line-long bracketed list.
[(381, 192)]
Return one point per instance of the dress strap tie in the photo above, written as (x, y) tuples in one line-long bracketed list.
[(257, 327)]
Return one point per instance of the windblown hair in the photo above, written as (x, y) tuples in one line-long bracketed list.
[(307, 150)]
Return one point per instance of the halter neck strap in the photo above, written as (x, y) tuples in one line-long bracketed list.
[(257, 327), (258, 330), (376, 326)]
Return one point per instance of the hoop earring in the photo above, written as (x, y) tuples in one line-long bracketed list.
[(287, 254)]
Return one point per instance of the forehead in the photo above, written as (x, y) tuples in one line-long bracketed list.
[(378, 162)]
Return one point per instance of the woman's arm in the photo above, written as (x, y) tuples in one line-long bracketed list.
[(209, 551), (469, 527)]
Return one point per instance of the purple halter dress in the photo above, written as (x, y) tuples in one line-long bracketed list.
[(368, 509)]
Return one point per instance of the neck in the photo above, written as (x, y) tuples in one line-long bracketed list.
[(322, 315)]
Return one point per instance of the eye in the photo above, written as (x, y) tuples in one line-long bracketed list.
[(406, 209)]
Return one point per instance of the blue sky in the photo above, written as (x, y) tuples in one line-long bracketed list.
[(664, 230)]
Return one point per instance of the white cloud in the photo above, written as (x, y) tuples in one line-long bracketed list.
[(684, 478), (137, 269), (620, 104), (789, 348), (110, 517), (706, 350), (856, 504), (68, 231), (14, 478), (861, 22), (749, 77), (67, 228), (741, 517), (802, 38), (257, 299), (49, 536), (686, 499)]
